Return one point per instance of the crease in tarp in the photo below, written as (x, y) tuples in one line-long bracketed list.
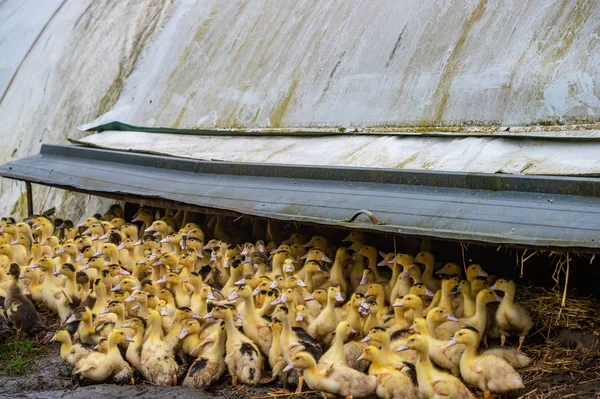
[(546, 135)]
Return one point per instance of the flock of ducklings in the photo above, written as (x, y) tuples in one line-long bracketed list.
[(177, 301)]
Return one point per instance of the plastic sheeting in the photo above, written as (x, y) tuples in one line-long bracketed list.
[(65, 64), (474, 154), (271, 63)]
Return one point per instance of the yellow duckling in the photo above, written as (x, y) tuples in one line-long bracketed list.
[(428, 260), (400, 283), (134, 349), (175, 283), (71, 289), (378, 291), (357, 240), (189, 336), (333, 379), (450, 269), (32, 281), (413, 303), (318, 242), (391, 382), (512, 318), (382, 337), (51, 294), (201, 296), (117, 313), (467, 306), (398, 324), (210, 364), (16, 253), (100, 294), (489, 373), (476, 286), (293, 341), (277, 361), (99, 367), (479, 320), (355, 275), (345, 354), (475, 271), (448, 285), (323, 327), (127, 255), (70, 353), (446, 357), (141, 297), (370, 253), (337, 273), (88, 333), (243, 357), (434, 383), (255, 327), (157, 360)]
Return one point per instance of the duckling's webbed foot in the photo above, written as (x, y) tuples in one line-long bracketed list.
[(487, 395), (502, 339), (174, 379), (521, 340), (234, 380), (300, 384)]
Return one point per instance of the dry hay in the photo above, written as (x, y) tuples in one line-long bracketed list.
[(564, 346), (284, 393)]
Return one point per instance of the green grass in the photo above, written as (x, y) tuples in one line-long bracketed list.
[(19, 357)]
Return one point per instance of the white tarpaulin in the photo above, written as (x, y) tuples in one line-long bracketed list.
[(272, 63), (473, 154)]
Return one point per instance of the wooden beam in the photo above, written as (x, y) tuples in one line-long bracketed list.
[(29, 199)]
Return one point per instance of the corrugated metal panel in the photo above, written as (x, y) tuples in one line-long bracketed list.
[(525, 210), (469, 154)]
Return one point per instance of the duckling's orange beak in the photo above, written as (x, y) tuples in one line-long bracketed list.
[(452, 342)]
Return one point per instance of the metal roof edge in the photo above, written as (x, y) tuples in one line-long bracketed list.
[(563, 185), (492, 209)]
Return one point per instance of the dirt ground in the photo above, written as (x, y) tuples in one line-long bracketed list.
[(51, 379), (565, 354)]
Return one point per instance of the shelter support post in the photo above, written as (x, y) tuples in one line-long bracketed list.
[(29, 199)]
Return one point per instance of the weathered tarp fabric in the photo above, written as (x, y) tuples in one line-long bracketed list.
[(368, 63), (472, 154)]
